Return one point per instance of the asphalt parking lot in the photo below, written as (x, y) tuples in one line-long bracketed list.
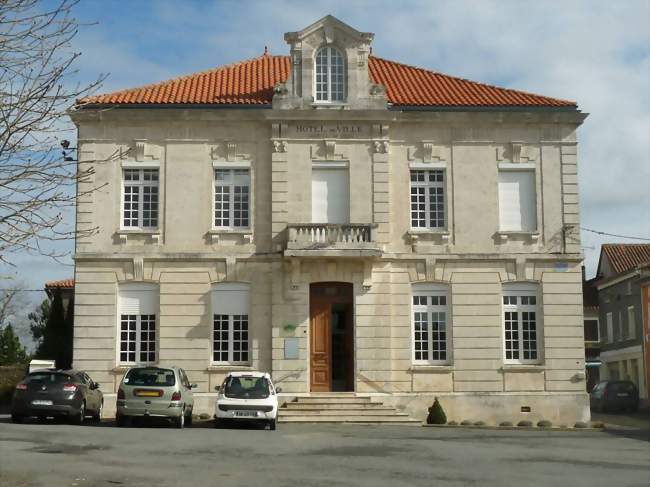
[(54, 455)]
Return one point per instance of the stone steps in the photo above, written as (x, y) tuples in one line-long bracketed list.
[(340, 408)]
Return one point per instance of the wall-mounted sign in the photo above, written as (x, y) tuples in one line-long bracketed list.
[(328, 130), (291, 349)]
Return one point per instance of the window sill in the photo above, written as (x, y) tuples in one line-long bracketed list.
[(228, 368), (523, 368), (428, 233), (431, 368), (505, 235), (125, 234), (328, 104), (217, 233)]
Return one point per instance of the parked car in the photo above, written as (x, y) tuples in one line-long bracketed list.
[(614, 395), (247, 396), (162, 392), (50, 392)]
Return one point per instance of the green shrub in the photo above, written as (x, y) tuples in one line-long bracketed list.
[(436, 414), (525, 424), (505, 424), (479, 423), (467, 422), (544, 424), (581, 424)]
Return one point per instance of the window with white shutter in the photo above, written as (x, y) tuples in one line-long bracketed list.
[(230, 323), (517, 201), (330, 195), (138, 305)]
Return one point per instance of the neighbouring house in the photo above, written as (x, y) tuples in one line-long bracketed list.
[(65, 287), (346, 222), (591, 330), (623, 280)]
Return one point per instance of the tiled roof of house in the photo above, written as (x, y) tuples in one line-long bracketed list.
[(624, 257), (252, 82), (61, 284)]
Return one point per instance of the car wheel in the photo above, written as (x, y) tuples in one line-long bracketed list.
[(273, 424), (42, 419), (121, 421), (188, 419), (17, 418), (98, 415), (80, 416)]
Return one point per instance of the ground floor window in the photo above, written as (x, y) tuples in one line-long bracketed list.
[(230, 323), (520, 320), (430, 323), (138, 308)]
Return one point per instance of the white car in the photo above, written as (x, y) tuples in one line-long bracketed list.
[(247, 396)]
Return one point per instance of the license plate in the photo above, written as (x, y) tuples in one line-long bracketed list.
[(622, 394), (141, 393), (245, 414), (41, 402)]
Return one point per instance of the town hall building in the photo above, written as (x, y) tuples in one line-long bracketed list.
[(342, 221)]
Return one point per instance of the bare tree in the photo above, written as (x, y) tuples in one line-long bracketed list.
[(37, 178)]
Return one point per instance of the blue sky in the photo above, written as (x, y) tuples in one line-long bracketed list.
[(597, 53)]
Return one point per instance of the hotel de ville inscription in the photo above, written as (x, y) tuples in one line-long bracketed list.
[(328, 130)]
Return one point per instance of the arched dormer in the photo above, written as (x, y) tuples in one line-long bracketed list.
[(329, 69)]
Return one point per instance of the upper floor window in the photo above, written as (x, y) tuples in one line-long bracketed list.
[(517, 201), (140, 198), (521, 324), (329, 75), (428, 199), (591, 331), (138, 306), (430, 323), (231, 198)]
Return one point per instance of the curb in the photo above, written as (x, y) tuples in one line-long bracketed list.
[(511, 428)]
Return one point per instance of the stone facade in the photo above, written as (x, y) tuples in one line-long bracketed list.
[(185, 255)]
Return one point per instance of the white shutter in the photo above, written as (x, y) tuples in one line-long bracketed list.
[(517, 201), (330, 196), (231, 298), (138, 299)]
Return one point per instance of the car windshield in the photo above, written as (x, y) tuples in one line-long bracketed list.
[(246, 387), (150, 376), (47, 377)]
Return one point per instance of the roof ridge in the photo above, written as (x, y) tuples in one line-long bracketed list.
[(467, 80)]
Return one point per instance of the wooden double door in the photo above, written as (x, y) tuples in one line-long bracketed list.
[(331, 311)]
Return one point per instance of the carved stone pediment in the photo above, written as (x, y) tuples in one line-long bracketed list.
[(517, 152), (427, 151), (231, 151)]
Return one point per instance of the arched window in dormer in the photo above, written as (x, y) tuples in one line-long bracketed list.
[(329, 75)]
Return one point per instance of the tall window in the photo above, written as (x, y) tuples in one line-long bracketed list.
[(428, 199), (230, 326), (232, 198), (591, 331), (430, 322), (140, 198), (517, 201), (631, 323), (610, 328), (330, 75), (138, 307), (521, 327)]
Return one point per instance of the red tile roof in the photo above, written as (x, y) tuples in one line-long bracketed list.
[(624, 257), (62, 284), (252, 82)]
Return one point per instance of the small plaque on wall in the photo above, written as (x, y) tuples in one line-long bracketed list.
[(291, 349)]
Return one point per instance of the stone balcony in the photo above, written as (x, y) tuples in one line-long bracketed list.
[(332, 239)]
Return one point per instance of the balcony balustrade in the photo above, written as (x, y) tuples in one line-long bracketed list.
[(332, 236)]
